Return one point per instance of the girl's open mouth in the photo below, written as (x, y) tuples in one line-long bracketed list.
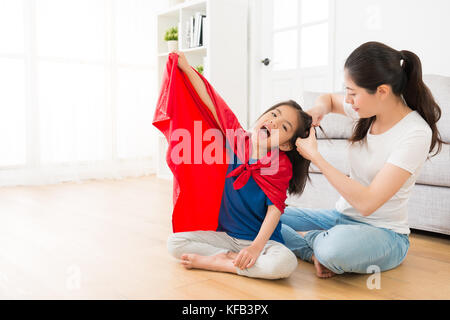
[(265, 130)]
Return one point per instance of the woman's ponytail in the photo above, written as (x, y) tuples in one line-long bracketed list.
[(418, 96)]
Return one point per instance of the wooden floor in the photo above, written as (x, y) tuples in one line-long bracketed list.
[(106, 240)]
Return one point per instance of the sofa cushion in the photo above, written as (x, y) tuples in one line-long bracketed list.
[(436, 170), (428, 209), (440, 88)]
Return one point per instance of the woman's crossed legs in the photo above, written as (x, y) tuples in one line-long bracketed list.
[(338, 244)]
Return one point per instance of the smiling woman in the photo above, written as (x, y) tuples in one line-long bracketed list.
[(395, 132)]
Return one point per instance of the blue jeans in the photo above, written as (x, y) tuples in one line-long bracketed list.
[(340, 243)]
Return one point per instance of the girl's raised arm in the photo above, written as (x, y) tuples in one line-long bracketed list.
[(197, 83)]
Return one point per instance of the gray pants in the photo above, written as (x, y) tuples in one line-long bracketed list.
[(275, 261)]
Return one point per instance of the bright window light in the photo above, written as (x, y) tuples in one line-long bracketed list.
[(134, 22), (314, 10), (285, 13), (314, 46), (71, 28), (11, 26), (285, 50), (12, 112), (134, 114), (72, 112)]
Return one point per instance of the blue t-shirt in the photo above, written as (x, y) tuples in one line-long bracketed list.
[(242, 211)]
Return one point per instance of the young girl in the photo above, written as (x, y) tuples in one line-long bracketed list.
[(248, 238)]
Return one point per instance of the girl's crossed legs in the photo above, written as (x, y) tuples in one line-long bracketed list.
[(216, 251)]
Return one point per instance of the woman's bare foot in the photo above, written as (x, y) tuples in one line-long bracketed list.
[(321, 271), (302, 233), (220, 262)]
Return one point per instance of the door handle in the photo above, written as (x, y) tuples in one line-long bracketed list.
[(266, 61)]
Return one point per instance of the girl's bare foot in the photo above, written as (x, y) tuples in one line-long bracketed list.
[(232, 255), (321, 271), (220, 262)]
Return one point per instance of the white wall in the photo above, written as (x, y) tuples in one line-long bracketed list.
[(419, 26)]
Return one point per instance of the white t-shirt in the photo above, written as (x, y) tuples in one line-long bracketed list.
[(405, 145)]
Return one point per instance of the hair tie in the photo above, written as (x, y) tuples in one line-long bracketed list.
[(402, 59)]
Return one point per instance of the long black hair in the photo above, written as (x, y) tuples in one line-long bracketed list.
[(300, 165), (373, 64)]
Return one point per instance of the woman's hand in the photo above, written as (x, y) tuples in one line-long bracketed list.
[(183, 63), (308, 147), (246, 258), (317, 113)]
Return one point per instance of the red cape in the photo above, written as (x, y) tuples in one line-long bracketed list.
[(198, 186)]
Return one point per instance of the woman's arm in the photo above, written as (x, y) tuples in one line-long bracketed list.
[(325, 104), (197, 83), (365, 199), (247, 256)]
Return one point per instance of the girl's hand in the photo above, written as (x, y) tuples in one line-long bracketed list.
[(183, 63), (308, 147), (246, 258), (317, 114)]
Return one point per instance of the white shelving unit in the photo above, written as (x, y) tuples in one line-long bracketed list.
[(223, 55)]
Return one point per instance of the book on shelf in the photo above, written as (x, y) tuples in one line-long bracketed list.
[(198, 29), (204, 31), (195, 27), (191, 32)]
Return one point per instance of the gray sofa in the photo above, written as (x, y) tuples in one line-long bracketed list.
[(429, 206)]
